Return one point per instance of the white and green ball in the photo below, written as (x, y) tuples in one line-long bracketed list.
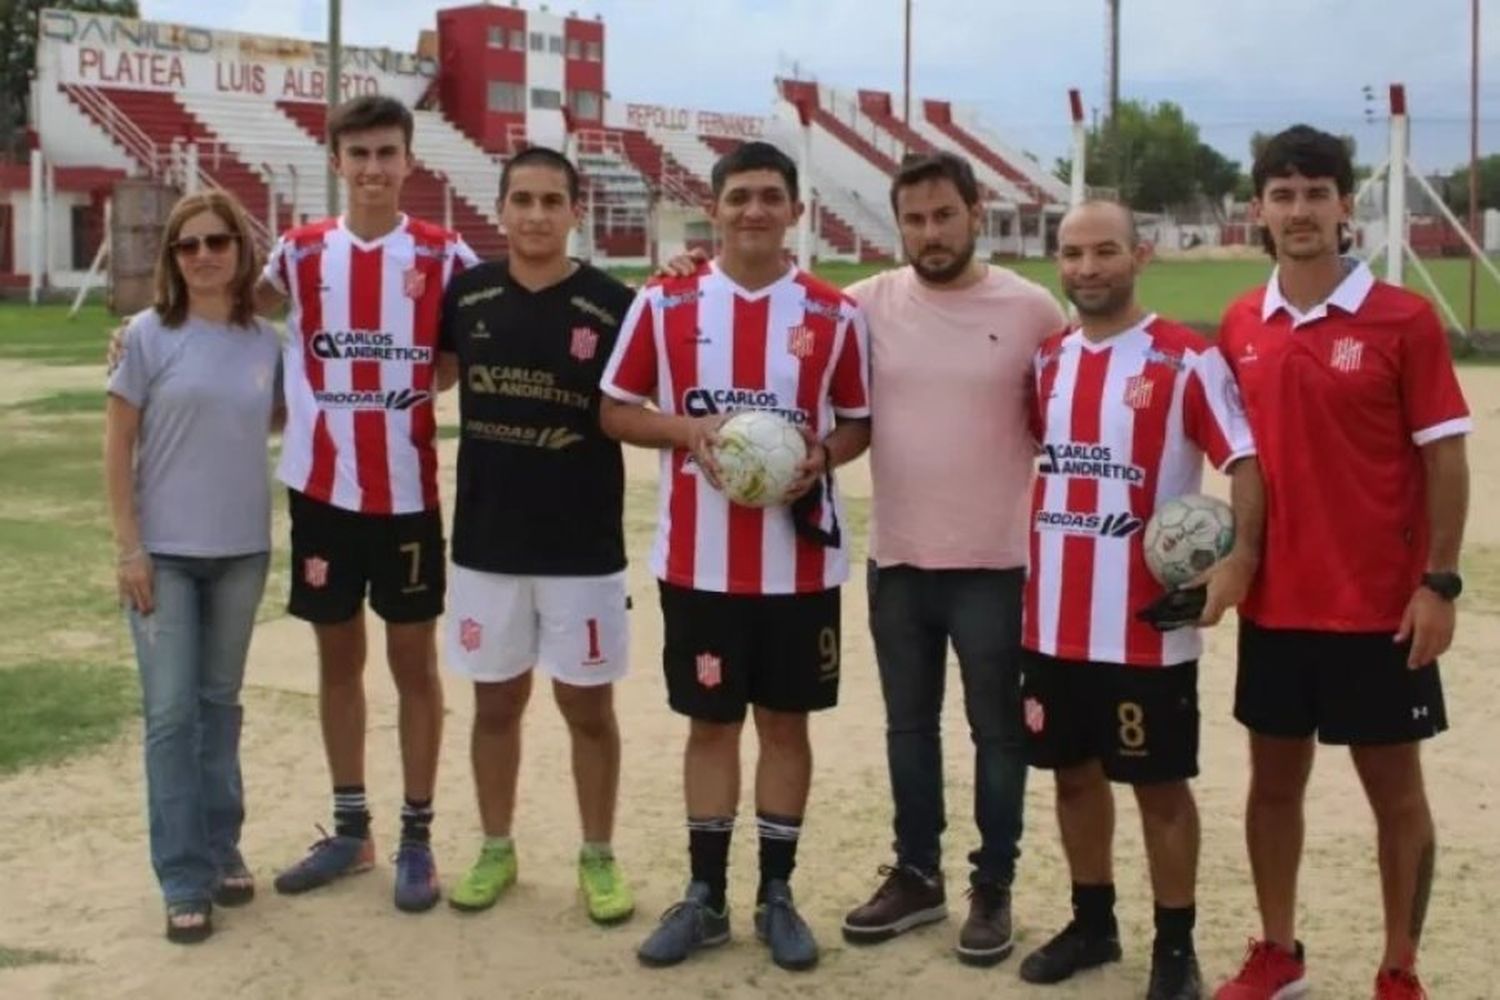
[(758, 454), (1185, 536)]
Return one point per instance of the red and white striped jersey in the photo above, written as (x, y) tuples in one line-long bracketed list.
[(702, 345), (1123, 426), (362, 331)]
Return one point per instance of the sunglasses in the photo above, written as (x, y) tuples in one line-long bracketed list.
[(189, 246)]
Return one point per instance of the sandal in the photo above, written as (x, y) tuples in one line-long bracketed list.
[(180, 933), (236, 886)]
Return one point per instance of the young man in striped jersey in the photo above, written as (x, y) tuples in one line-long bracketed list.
[(1105, 695), (363, 293), (750, 597)]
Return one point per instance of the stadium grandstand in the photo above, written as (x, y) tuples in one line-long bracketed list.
[(190, 107)]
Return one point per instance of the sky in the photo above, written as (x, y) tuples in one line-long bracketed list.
[(1235, 66)]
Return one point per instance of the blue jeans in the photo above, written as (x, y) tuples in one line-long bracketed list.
[(914, 613), (191, 652)]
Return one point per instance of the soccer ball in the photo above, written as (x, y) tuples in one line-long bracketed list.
[(758, 454), (1186, 536)]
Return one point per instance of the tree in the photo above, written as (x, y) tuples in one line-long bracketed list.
[(1456, 190), (1217, 174), (18, 31), (1153, 156)]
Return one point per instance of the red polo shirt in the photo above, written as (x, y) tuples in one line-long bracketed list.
[(1341, 399)]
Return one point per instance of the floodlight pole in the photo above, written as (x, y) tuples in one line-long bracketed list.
[(906, 73), (1474, 230), (1077, 174), (1395, 222), (335, 71)]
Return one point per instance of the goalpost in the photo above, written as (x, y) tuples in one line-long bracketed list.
[(1400, 173)]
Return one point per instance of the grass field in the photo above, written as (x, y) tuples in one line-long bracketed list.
[(58, 617), (58, 600), (1197, 291)]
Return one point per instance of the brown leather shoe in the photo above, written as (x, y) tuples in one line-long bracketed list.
[(986, 938), (906, 899)]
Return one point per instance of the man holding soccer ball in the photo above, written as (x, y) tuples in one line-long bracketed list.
[(1351, 391), (1127, 405), (750, 595)]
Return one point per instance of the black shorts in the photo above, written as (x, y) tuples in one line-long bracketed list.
[(1139, 723), (1350, 688), (726, 651), (337, 555)]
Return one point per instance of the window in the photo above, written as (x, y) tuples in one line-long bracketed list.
[(595, 52), (538, 42), (575, 49), (546, 100), (507, 97), (585, 104), (496, 37), (555, 44), (517, 40), (88, 233)]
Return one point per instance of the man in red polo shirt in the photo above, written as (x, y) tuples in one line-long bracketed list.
[(1360, 427)]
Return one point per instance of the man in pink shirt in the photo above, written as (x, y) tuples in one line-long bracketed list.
[(952, 340)]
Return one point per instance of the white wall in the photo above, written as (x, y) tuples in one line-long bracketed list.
[(59, 225), (69, 137), (544, 70)]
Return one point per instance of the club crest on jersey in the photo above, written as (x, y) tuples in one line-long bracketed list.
[(414, 282), (584, 343), (470, 634), (315, 572), (1348, 354), (1138, 390), (1036, 715), (710, 670), (799, 342)]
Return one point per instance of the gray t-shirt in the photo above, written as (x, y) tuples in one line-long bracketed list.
[(205, 392)]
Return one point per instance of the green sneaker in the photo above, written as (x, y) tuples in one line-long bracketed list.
[(492, 874), (609, 898)]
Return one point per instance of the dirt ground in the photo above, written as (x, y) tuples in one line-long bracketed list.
[(76, 877)]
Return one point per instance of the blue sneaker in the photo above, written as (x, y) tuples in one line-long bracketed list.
[(687, 927), (782, 929), (417, 886), (327, 860)]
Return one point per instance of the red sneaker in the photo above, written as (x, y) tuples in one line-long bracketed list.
[(1270, 972), (1398, 984)]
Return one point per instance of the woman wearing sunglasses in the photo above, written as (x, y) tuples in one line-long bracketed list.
[(185, 458)]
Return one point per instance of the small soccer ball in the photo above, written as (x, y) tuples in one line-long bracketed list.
[(758, 454), (1186, 536)]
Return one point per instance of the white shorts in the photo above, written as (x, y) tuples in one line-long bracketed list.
[(574, 628)]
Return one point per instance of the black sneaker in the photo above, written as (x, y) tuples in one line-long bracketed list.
[(1174, 975), (986, 938), (906, 899), (1072, 950)]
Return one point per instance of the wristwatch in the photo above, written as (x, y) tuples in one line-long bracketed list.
[(1446, 585)]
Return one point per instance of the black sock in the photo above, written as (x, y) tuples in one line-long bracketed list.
[(1094, 907), (1174, 927), (416, 821), (778, 848), (351, 811), (708, 850)]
